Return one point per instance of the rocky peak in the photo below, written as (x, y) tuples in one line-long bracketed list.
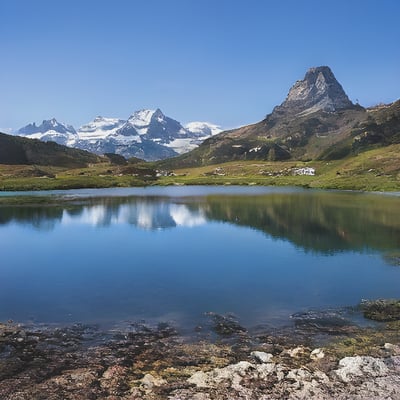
[(56, 126), (158, 115), (319, 90)]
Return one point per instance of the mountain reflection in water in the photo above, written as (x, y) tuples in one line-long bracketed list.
[(263, 256), (316, 221)]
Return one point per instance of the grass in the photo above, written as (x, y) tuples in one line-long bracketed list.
[(102, 175), (373, 170)]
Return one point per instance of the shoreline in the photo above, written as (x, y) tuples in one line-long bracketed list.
[(362, 187), (48, 197), (139, 361)]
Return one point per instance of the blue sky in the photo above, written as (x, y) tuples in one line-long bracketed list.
[(224, 61)]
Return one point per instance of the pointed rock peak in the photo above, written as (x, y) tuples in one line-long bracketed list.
[(320, 72), (158, 113), (158, 116), (319, 90)]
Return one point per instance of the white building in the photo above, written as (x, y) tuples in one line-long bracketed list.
[(304, 171)]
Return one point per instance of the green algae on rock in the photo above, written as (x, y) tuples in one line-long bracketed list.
[(382, 310)]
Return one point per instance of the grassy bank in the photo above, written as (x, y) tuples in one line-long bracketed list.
[(374, 170), (103, 175)]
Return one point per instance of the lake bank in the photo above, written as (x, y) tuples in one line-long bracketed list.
[(373, 170), (139, 361), (245, 294), (263, 253)]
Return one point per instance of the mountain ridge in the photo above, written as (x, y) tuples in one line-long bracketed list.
[(146, 134), (317, 120)]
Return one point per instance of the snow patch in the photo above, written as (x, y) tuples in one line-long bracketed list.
[(203, 128)]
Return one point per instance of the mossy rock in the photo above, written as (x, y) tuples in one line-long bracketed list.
[(381, 310)]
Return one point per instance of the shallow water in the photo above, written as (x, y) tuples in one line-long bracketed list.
[(172, 254)]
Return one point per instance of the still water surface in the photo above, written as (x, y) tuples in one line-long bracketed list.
[(176, 253)]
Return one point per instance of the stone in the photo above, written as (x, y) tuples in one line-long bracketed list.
[(233, 374), (200, 379), (262, 356), (149, 381), (392, 349), (317, 354), (383, 310), (296, 352), (352, 368)]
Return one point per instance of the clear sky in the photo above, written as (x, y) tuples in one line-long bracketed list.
[(223, 61)]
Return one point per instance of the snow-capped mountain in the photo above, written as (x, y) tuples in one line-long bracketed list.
[(203, 128), (100, 128), (50, 130), (146, 134)]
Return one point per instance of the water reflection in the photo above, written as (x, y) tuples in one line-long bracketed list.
[(142, 214), (315, 221), (105, 259)]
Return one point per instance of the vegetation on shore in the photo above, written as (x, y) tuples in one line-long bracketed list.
[(99, 175), (373, 170)]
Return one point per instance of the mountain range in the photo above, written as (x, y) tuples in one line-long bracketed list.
[(146, 134), (317, 120)]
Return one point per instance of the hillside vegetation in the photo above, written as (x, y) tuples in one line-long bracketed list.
[(317, 126), (377, 169), (320, 136), (17, 150)]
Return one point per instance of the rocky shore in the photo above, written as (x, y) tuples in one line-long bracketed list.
[(313, 359)]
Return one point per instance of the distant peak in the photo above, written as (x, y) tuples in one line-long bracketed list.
[(141, 118), (47, 125), (322, 68), (158, 112), (319, 90), (144, 111), (52, 122)]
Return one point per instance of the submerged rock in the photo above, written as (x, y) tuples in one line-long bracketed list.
[(331, 322), (225, 325), (381, 310)]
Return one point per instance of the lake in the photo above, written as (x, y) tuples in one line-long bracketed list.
[(175, 253)]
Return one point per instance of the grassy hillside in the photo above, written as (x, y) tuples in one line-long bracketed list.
[(371, 170), (16, 150), (105, 173), (317, 136), (367, 158)]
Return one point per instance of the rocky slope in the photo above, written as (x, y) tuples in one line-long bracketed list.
[(317, 120), (146, 134)]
